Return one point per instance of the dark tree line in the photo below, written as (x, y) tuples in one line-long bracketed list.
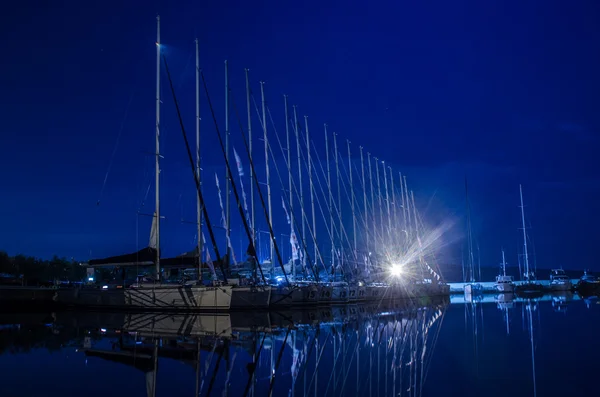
[(32, 271)]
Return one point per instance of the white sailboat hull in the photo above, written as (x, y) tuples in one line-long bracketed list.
[(356, 293), (339, 294), (325, 293), (376, 293), (175, 297), (305, 295), (192, 297), (281, 296), (250, 297)]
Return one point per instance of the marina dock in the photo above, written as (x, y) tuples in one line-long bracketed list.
[(489, 287)]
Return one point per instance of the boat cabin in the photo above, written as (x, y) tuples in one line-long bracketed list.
[(504, 279), (558, 274)]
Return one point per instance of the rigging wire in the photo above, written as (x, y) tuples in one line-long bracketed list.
[(114, 152), (304, 246)]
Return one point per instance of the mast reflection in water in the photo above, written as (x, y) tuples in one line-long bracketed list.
[(349, 350), (505, 347)]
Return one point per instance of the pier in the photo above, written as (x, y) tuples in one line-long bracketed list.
[(490, 286)]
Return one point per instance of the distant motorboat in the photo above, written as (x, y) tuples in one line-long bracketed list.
[(505, 284), (588, 284), (559, 280)]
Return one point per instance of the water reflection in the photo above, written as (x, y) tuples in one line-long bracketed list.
[(407, 349), (351, 350)]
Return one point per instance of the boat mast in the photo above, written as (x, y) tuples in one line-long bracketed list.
[(362, 171), (372, 197), (407, 202), (289, 167), (352, 198), (198, 209), (469, 237), (253, 225), (414, 208), (421, 259), (339, 196), (227, 181), (387, 199), (300, 185), (393, 197), (264, 115), (157, 156), (503, 263), (310, 184), (330, 198), (379, 195), (524, 233)]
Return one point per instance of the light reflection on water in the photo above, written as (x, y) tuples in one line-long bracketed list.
[(403, 349)]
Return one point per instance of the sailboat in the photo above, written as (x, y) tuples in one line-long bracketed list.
[(504, 283), (472, 288), (529, 287), (147, 293)]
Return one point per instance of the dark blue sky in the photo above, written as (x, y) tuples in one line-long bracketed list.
[(503, 92)]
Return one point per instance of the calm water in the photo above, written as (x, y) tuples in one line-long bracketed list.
[(459, 349)]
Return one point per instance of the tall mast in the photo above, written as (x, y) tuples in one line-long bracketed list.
[(252, 220), (471, 260), (414, 208), (330, 198), (524, 233), (352, 197), (289, 166), (300, 184), (407, 202), (339, 190), (312, 199), (362, 170), (227, 181), (387, 198), (264, 115), (198, 208), (157, 169), (393, 197), (403, 203), (503, 263), (372, 197), (379, 195), (253, 225)]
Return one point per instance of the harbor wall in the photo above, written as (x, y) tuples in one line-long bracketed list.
[(490, 286), (15, 298)]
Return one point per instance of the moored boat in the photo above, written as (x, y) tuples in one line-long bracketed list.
[(559, 280), (588, 284), (339, 292), (504, 284), (252, 296), (530, 289)]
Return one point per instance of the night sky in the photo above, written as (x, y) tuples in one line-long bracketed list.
[(500, 92)]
